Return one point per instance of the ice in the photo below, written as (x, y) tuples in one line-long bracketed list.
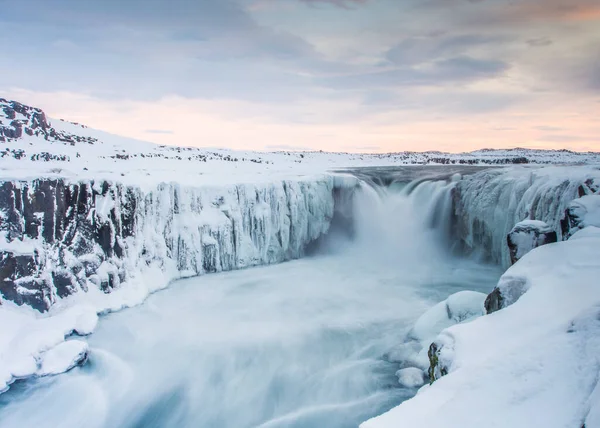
[(493, 201)]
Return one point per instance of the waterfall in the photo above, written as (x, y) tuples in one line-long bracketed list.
[(397, 220)]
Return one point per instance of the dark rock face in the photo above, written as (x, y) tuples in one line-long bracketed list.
[(52, 223), (58, 238), (581, 213), (21, 283), (528, 235)]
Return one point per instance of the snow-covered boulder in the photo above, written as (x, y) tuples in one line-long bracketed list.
[(507, 292), (527, 235), (411, 377), (455, 309), (581, 213), (63, 357)]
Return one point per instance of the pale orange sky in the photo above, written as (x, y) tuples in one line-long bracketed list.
[(359, 76)]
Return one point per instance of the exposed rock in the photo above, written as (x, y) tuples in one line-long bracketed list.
[(580, 213), (507, 292), (437, 368), (20, 120), (526, 236)]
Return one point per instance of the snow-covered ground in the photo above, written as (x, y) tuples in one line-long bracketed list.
[(99, 155)]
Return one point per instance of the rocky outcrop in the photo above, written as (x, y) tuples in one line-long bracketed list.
[(58, 238), (527, 235), (507, 292), (18, 120), (581, 213), (437, 368)]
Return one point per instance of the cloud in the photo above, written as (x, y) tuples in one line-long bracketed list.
[(296, 63), (461, 69), (567, 138), (364, 148), (549, 128), (425, 49), (539, 42), (158, 131), (288, 147), (345, 4)]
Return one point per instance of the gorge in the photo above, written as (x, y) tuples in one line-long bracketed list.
[(310, 342)]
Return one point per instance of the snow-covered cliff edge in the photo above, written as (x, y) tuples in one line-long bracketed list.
[(60, 238)]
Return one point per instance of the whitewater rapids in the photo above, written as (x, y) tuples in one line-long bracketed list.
[(301, 344)]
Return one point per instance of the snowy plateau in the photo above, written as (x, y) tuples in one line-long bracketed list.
[(376, 294)]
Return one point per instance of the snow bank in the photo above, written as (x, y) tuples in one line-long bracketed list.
[(534, 363)]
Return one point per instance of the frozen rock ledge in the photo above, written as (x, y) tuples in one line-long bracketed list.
[(527, 235)]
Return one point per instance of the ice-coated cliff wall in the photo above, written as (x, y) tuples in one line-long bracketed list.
[(58, 237), (489, 203)]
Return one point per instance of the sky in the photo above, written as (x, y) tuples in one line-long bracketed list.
[(334, 75)]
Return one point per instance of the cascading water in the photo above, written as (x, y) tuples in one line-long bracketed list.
[(300, 344)]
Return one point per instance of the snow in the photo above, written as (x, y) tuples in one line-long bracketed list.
[(26, 246), (511, 367), (527, 235), (459, 307), (411, 377), (102, 156), (587, 210), (536, 224), (63, 357)]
